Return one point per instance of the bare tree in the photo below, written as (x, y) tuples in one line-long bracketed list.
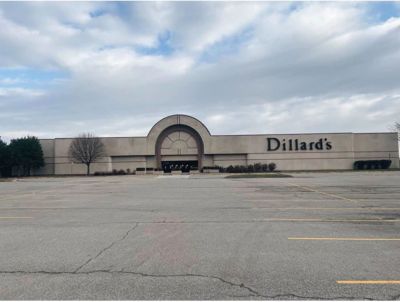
[(396, 128), (86, 149)]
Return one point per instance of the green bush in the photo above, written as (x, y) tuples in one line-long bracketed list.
[(385, 163), (258, 167), (271, 167), (216, 167), (5, 160), (229, 169), (103, 173), (372, 164), (26, 154)]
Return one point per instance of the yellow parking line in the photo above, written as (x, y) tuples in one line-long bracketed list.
[(331, 220), (323, 193), (11, 217), (368, 281), (346, 239), (327, 209)]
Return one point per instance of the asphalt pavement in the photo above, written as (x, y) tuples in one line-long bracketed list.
[(312, 236)]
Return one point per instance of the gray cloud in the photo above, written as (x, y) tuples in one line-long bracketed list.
[(313, 67)]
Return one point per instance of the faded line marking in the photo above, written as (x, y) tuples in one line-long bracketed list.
[(327, 209), (323, 193), (11, 217), (331, 220), (239, 208), (39, 208), (345, 239), (368, 281)]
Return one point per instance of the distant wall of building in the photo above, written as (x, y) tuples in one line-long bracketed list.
[(175, 138)]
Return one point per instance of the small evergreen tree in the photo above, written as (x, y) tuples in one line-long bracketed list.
[(27, 154), (5, 160)]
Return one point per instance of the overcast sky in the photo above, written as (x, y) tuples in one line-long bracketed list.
[(116, 68)]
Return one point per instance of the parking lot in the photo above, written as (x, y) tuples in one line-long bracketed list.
[(312, 236)]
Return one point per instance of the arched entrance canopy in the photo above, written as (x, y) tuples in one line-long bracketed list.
[(162, 138), (180, 148)]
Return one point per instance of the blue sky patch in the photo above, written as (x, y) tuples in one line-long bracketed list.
[(97, 13), (228, 46), (29, 77), (382, 11), (163, 47)]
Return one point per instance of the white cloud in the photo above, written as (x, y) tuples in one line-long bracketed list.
[(302, 67), (16, 92)]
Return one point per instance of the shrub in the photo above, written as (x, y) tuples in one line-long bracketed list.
[(128, 171), (385, 163), (242, 169), (257, 167), (358, 165), (5, 159), (372, 164), (121, 172), (212, 167), (216, 167), (114, 171), (102, 173), (26, 154), (229, 169), (272, 167)]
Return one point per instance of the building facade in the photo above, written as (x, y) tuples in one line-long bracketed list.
[(184, 140)]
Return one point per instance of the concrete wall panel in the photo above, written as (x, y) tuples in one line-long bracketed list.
[(224, 150)]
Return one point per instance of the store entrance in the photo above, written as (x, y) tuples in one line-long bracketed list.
[(179, 165)]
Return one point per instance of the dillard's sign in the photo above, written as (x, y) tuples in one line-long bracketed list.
[(275, 144)]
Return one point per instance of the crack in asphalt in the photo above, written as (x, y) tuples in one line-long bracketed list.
[(252, 292), (289, 295), (107, 248)]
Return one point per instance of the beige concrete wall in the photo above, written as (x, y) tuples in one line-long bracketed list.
[(230, 159), (245, 144), (125, 146), (208, 160), (178, 119), (64, 165), (48, 155), (225, 150), (369, 146), (128, 162), (340, 156)]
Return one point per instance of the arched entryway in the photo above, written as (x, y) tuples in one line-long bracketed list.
[(179, 147)]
